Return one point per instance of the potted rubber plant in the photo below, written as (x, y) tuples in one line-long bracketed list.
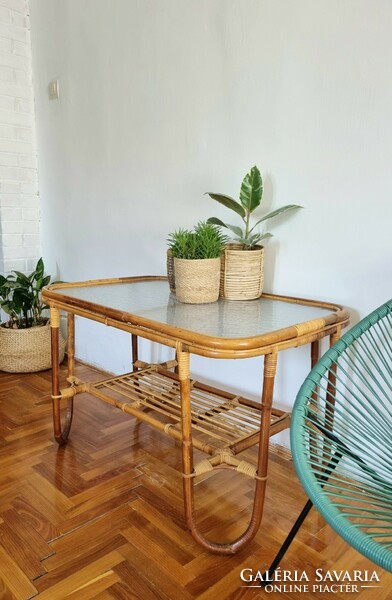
[(243, 260), (196, 259), (25, 335)]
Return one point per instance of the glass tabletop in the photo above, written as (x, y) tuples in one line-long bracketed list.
[(225, 319)]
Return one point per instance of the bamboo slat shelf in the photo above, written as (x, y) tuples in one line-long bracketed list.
[(218, 423), (219, 419)]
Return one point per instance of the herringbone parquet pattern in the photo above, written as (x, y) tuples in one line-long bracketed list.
[(102, 517)]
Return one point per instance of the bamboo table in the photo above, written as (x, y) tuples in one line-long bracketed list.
[(218, 423)]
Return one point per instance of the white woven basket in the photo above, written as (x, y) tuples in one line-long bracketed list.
[(27, 350)]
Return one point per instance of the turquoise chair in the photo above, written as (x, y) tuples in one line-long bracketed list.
[(341, 438)]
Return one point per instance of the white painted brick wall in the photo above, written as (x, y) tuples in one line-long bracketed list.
[(20, 245)]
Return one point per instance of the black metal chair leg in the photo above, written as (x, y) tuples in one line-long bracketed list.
[(268, 575)]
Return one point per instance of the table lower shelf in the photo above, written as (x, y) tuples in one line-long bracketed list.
[(220, 420)]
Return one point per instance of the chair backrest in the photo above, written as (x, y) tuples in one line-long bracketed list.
[(341, 436)]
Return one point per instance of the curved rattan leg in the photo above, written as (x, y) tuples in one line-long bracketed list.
[(241, 541), (187, 458), (60, 432)]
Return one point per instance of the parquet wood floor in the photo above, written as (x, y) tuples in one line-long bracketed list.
[(102, 517)]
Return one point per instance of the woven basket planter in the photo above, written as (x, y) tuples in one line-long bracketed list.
[(197, 281), (170, 271), (242, 272), (27, 350)]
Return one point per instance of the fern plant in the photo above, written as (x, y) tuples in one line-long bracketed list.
[(251, 195)]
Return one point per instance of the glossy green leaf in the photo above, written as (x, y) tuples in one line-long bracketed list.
[(7, 308), (22, 278), (216, 221), (276, 212), (229, 203), (46, 281), (253, 240), (251, 190), (259, 237), (236, 230), (39, 269)]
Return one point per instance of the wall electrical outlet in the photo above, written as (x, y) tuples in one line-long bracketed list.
[(54, 89)]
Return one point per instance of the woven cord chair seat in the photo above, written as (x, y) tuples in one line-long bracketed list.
[(341, 436)]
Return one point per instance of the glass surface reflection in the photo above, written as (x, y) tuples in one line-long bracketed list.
[(223, 319)]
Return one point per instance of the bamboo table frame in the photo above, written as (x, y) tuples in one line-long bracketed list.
[(224, 424)]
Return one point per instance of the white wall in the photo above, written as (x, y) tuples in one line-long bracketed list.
[(20, 244), (162, 101)]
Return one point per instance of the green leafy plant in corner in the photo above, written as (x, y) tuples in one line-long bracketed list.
[(204, 241), (20, 297), (251, 195)]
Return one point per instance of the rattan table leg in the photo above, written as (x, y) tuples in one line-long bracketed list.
[(314, 352), (135, 351), (71, 344), (270, 362), (186, 436), (60, 434), (187, 457)]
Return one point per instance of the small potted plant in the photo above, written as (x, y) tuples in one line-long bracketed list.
[(25, 336), (242, 262), (196, 257)]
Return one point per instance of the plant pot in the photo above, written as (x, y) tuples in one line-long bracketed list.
[(27, 350), (197, 281), (242, 272), (170, 271)]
